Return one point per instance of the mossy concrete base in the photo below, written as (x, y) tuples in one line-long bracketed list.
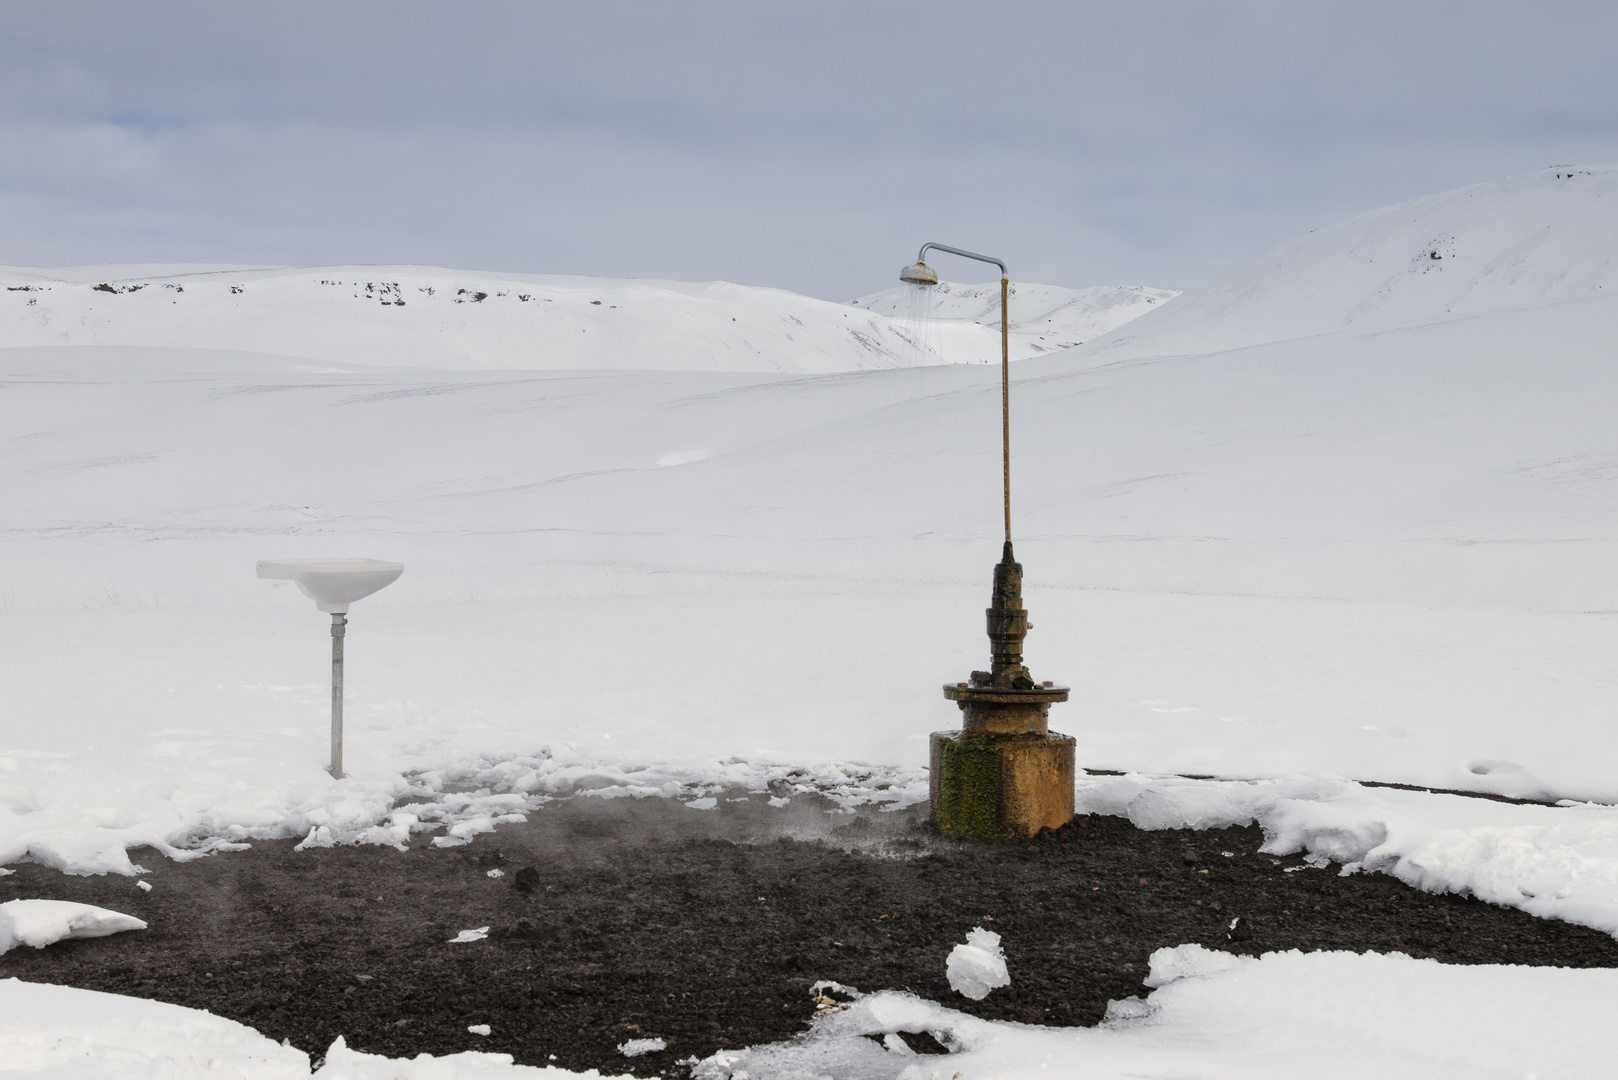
[(1001, 787)]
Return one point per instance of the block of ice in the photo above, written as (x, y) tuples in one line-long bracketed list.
[(637, 1047), (979, 966)]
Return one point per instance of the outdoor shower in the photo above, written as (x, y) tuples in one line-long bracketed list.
[(1005, 773)]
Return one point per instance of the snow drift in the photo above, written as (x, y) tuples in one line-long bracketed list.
[(42, 922), (1212, 1016), (1557, 862), (70, 1034)]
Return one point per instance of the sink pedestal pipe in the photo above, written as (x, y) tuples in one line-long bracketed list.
[(339, 626), (1004, 774), (333, 584)]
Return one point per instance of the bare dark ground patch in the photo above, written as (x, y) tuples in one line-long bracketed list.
[(707, 928)]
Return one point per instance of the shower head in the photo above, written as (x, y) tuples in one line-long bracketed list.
[(919, 274)]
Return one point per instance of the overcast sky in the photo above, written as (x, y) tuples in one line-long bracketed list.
[(810, 146)]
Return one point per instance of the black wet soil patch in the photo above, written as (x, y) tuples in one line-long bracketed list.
[(623, 919)]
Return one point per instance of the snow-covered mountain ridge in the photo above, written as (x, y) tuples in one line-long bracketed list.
[(429, 317), (964, 320), (1540, 238)]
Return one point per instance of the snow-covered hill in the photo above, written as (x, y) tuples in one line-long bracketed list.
[(414, 316), (961, 323), (1542, 238)]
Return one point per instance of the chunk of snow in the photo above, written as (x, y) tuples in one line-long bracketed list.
[(979, 966), (824, 986), (41, 922), (144, 886), (479, 1029), (466, 936), (1122, 1010), (637, 1047), (1187, 961), (703, 804), (320, 836), (466, 829), (343, 1063), (497, 872)]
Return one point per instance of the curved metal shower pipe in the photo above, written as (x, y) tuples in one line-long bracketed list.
[(921, 258)]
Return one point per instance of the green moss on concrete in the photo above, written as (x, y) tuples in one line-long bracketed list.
[(969, 789)]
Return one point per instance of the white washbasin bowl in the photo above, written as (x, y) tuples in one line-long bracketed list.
[(333, 584)]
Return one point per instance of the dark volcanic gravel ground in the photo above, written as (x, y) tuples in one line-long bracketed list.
[(624, 919)]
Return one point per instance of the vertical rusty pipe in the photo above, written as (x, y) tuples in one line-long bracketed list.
[(1005, 397), (339, 623)]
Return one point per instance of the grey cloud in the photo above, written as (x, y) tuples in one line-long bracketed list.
[(807, 146)]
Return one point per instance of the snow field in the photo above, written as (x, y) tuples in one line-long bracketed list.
[(1214, 1016), (825, 535), (70, 1034)]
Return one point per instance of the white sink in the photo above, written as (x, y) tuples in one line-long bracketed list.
[(333, 584)]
